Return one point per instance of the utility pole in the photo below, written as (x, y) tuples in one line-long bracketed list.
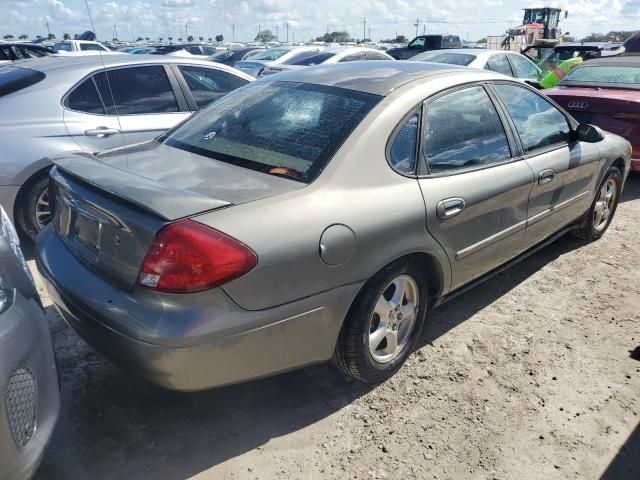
[(46, 23), (186, 30), (278, 33), (424, 29), (364, 27), (369, 37), (259, 29), (287, 25), (233, 31), (417, 25)]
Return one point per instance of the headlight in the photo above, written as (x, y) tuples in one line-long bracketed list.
[(6, 296), (8, 231)]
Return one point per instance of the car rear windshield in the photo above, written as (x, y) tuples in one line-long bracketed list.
[(446, 57), (13, 79), (281, 128), (312, 60), (271, 54), (609, 75)]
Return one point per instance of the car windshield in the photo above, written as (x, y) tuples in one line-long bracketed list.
[(312, 60), (271, 54), (445, 57), (610, 74), (224, 54), (62, 46), (281, 128)]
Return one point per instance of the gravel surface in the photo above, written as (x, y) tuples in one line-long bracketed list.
[(532, 375)]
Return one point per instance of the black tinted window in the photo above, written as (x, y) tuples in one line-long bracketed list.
[(194, 50), (354, 57), (500, 64), (538, 122), (13, 79), (377, 56), (5, 53), (281, 128), (84, 98), (207, 84), (313, 60), (403, 149), (464, 131), (29, 52), (137, 90)]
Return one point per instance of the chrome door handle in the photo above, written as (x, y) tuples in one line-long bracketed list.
[(450, 207), (101, 132), (546, 176)]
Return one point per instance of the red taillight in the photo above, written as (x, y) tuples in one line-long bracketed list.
[(187, 257)]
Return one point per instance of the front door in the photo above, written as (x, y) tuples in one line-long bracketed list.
[(563, 169), (475, 191)]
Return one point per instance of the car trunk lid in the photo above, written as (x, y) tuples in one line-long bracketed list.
[(109, 209)]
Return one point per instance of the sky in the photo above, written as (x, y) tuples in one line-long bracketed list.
[(306, 19)]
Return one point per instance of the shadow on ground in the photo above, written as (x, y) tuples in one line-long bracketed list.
[(115, 426), (626, 464)]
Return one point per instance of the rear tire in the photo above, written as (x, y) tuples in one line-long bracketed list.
[(390, 310), (598, 218), (32, 205)]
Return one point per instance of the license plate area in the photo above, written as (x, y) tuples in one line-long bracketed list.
[(86, 231)]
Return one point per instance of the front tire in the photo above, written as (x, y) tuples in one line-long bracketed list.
[(33, 211), (597, 220), (383, 324)]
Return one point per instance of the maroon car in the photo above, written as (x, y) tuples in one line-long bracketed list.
[(605, 92)]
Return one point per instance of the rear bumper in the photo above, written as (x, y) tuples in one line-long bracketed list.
[(195, 341), (25, 343)]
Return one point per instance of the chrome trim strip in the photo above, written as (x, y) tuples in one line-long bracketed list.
[(492, 239), (560, 206)]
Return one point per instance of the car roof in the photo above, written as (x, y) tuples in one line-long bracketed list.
[(53, 64), (379, 78), (620, 61)]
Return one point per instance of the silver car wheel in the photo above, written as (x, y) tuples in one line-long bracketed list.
[(43, 210), (604, 205), (393, 319)]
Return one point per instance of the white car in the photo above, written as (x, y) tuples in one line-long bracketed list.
[(328, 56), (506, 62), (75, 46), (275, 56)]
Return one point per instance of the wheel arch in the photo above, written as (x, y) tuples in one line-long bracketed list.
[(26, 184)]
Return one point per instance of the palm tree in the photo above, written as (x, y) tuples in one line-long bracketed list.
[(66, 36), (180, 39), (210, 39), (8, 37), (23, 36), (201, 38), (51, 36), (170, 39), (160, 39)]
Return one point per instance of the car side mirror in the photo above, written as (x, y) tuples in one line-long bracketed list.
[(589, 133)]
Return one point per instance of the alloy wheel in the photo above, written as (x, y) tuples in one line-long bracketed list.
[(604, 205), (43, 210), (394, 317)]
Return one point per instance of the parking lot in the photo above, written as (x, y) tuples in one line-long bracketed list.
[(531, 375)]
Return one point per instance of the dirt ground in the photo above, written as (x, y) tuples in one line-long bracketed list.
[(533, 375)]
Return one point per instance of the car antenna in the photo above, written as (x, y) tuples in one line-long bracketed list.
[(113, 100)]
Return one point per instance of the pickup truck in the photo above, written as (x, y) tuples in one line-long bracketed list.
[(424, 43)]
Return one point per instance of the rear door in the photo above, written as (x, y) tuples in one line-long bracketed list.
[(124, 106), (475, 189), (564, 170), (499, 63)]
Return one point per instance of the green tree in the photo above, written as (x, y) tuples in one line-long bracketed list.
[(482, 40), (568, 38), (210, 39), (8, 37), (66, 36), (160, 39), (139, 39), (146, 38), (190, 38), (23, 37), (180, 39), (51, 36), (170, 39), (265, 36), (201, 38), (335, 37), (219, 38)]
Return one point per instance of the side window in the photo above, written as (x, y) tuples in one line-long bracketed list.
[(28, 52), (402, 154), (194, 50), (209, 50), (500, 64), (463, 131), (417, 43), (354, 57), (538, 122), (137, 90), (523, 68), (5, 54), (376, 56), (90, 46), (208, 85), (84, 98)]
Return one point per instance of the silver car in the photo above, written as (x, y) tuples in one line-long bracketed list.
[(509, 63), (257, 64), (53, 105), (317, 215), (29, 386)]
